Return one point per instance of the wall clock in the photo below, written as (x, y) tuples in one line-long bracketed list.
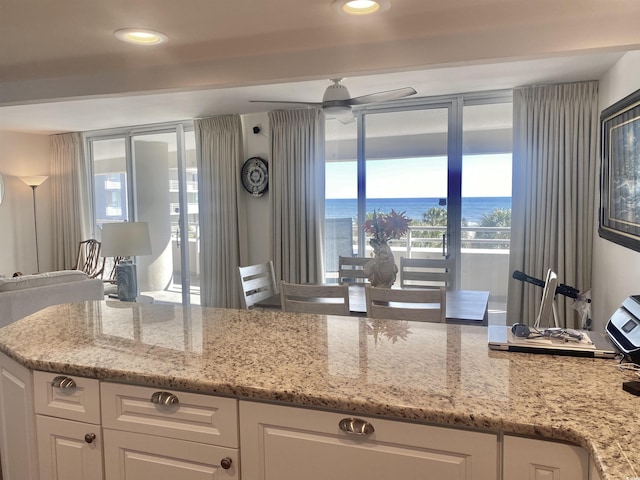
[(255, 176)]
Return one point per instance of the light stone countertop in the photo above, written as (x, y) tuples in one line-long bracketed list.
[(431, 373)]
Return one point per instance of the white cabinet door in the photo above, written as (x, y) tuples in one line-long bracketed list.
[(287, 443), (543, 460), (69, 450), (136, 456), (18, 445)]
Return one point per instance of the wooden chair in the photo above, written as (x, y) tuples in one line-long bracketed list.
[(426, 272), (323, 299), (351, 269), (88, 259), (407, 304), (258, 283)]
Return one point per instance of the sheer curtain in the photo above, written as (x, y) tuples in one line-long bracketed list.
[(554, 189), (297, 194), (219, 155), (70, 198)]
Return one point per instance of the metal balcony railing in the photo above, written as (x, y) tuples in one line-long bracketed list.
[(469, 239)]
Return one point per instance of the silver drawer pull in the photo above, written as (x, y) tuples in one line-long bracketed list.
[(164, 398), (356, 426), (63, 383)]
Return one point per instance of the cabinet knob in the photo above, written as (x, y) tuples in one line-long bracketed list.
[(226, 463), (63, 383), (89, 437), (164, 398), (356, 426)]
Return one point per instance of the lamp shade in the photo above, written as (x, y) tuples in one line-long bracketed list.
[(126, 239), (34, 181)]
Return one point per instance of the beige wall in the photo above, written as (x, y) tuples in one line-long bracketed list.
[(23, 155), (616, 269)]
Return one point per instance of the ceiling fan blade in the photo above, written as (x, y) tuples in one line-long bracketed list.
[(313, 104), (382, 96)]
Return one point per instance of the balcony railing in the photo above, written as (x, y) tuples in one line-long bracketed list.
[(468, 240)]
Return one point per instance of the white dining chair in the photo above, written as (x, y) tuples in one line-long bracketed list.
[(426, 272), (424, 305), (258, 283), (308, 298), (351, 269)]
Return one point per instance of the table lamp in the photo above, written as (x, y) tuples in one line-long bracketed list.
[(126, 239)]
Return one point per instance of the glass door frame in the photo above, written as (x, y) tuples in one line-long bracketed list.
[(128, 134), (454, 105)]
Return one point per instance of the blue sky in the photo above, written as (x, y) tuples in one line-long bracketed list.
[(482, 176)]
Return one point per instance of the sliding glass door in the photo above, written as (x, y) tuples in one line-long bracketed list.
[(446, 163), (151, 176), (406, 163)]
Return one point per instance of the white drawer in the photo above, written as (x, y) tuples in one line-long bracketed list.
[(65, 396), (199, 418), (129, 456)]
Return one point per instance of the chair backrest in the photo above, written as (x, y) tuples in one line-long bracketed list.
[(109, 267), (258, 283), (338, 241), (324, 299), (426, 272), (88, 259), (423, 305), (351, 269)]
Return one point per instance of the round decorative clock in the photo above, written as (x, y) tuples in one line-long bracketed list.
[(255, 176)]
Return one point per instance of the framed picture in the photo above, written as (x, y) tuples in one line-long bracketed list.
[(620, 174)]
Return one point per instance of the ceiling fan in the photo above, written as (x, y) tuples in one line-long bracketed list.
[(337, 101)]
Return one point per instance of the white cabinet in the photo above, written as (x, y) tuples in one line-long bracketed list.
[(68, 425), (287, 443), (164, 434), (78, 428), (69, 450), (542, 460), (18, 444), (135, 456)]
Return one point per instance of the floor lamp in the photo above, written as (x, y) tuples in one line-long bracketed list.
[(35, 182)]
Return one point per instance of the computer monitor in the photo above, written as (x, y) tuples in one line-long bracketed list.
[(548, 304)]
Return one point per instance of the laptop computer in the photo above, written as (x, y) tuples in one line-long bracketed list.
[(592, 344)]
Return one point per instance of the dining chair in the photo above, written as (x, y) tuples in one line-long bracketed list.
[(308, 298), (258, 283), (109, 269), (88, 258), (423, 305), (351, 269), (426, 272)]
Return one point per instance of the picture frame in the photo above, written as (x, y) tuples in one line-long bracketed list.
[(619, 220)]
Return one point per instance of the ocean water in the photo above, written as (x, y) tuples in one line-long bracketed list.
[(472, 207)]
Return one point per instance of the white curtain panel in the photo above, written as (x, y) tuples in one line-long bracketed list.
[(219, 154), (297, 194), (555, 172), (70, 201)]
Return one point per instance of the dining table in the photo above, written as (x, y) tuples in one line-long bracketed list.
[(463, 306)]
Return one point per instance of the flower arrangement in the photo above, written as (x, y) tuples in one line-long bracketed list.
[(386, 226)]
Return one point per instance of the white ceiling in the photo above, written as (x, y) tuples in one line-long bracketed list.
[(61, 68)]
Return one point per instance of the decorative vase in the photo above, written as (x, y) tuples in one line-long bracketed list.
[(381, 270)]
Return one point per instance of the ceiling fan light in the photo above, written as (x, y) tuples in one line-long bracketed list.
[(360, 7), (139, 36), (336, 110)]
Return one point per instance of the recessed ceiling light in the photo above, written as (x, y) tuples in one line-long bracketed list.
[(140, 36), (360, 7)]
